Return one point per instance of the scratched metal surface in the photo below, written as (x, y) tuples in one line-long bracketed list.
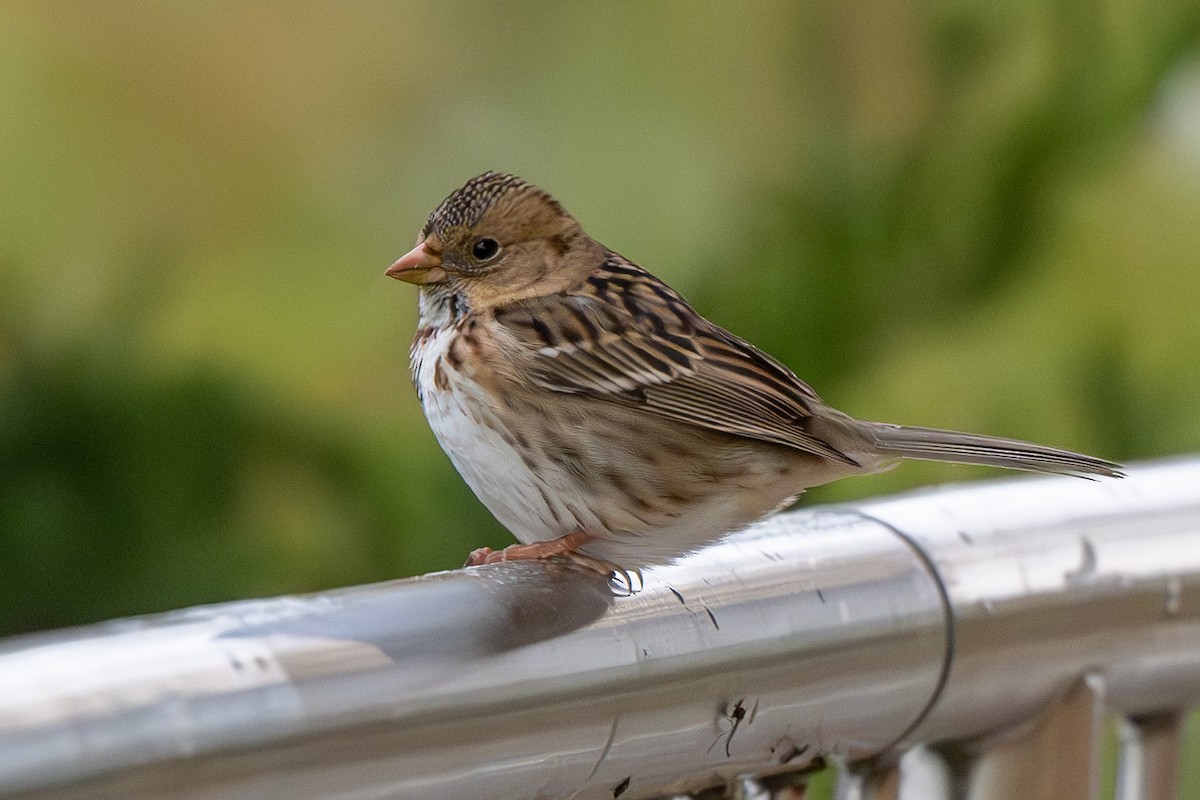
[(815, 633), (1053, 578), (841, 630)]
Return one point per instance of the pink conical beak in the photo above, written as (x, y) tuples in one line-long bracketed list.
[(420, 265)]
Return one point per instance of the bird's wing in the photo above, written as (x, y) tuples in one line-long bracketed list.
[(626, 337)]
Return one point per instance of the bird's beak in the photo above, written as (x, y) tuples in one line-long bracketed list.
[(420, 265)]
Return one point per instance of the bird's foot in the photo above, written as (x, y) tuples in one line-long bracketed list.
[(563, 547)]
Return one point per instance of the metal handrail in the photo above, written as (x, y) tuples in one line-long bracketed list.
[(947, 624)]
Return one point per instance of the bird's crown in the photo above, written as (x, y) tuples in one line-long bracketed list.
[(466, 206)]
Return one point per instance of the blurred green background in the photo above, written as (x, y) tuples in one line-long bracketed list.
[(965, 214)]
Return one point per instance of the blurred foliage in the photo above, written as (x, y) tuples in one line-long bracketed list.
[(949, 213)]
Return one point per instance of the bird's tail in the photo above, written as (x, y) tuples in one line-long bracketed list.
[(931, 444)]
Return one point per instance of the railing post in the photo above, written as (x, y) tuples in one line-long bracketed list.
[(868, 780), (1057, 758), (926, 775), (1147, 766)]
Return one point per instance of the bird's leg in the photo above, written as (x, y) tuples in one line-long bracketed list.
[(565, 547), (562, 546)]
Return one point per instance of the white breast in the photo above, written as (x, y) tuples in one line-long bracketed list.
[(463, 419)]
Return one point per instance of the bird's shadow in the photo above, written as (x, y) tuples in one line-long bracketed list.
[(469, 612)]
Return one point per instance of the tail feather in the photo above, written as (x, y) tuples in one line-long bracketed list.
[(931, 444)]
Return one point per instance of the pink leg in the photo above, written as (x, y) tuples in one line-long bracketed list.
[(562, 546)]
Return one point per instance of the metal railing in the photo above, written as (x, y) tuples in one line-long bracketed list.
[(961, 642)]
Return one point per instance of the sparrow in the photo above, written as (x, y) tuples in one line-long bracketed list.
[(598, 416)]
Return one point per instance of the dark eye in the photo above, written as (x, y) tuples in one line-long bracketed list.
[(485, 248)]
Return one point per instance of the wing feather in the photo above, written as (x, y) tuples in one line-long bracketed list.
[(626, 337)]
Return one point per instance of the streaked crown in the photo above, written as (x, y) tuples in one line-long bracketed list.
[(466, 206)]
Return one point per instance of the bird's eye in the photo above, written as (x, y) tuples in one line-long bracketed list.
[(485, 248)]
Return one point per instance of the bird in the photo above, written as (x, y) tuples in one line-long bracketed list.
[(599, 417)]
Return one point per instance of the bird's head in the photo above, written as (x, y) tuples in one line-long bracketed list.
[(498, 239)]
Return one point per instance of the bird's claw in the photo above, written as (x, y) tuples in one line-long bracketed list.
[(480, 556), (629, 582)]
